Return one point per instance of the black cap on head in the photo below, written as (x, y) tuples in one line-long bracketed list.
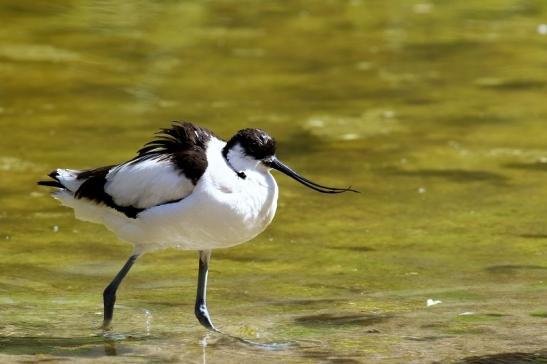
[(256, 143)]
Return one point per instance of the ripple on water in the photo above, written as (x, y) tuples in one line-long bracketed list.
[(456, 175), (370, 123), (17, 165), (37, 53)]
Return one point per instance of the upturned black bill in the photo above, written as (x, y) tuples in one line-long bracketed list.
[(277, 164)]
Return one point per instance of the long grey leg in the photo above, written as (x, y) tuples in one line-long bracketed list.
[(201, 311), (109, 294)]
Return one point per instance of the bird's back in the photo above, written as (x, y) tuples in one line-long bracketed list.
[(165, 170)]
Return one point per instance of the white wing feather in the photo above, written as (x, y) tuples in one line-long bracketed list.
[(69, 179), (146, 183)]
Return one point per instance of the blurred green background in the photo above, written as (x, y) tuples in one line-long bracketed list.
[(435, 110)]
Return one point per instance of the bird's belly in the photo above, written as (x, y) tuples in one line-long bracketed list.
[(202, 221)]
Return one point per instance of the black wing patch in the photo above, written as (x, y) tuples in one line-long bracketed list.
[(185, 144), (93, 189)]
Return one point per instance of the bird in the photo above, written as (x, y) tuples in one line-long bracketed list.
[(188, 189)]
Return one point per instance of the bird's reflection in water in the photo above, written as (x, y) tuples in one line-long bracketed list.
[(209, 341), (203, 343), (227, 339), (110, 347)]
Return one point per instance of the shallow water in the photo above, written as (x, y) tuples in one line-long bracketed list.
[(435, 111)]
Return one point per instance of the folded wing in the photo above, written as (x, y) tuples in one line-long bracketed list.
[(147, 182), (165, 170)]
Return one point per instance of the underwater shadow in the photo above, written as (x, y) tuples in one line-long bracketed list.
[(86, 347), (515, 85), (305, 301), (328, 319), (356, 248), (454, 175), (439, 49), (534, 167), (511, 268), (533, 236), (507, 358), (301, 142), (468, 120)]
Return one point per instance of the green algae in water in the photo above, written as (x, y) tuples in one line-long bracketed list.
[(542, 314), (434, 110)]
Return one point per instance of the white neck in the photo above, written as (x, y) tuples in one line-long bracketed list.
[(239, 161)]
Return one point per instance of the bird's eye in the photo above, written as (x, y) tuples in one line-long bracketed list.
[(267, 161)]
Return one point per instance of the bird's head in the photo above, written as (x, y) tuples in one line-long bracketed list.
[(251, 149)]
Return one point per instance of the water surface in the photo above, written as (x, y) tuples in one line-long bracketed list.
[(435, 110)]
